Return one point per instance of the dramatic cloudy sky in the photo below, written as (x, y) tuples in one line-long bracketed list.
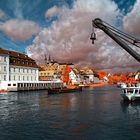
[(62, 28)]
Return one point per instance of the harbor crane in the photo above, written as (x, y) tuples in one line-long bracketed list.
[(118, 36)]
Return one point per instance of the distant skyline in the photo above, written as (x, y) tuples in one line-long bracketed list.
[(62, 28)]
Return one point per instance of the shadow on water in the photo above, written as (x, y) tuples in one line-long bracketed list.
[(132, 109), (132, 115)]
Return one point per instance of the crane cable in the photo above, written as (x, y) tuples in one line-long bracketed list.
[(124, 36), (125, 39)]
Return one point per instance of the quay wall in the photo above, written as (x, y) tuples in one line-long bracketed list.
[(27, 86)]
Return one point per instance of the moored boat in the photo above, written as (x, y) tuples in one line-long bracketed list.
[(63, 90), (4, 91), (130, 93)]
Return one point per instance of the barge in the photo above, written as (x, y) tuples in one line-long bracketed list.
[(63, 90)]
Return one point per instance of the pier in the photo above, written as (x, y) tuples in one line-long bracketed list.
[(27, 85)]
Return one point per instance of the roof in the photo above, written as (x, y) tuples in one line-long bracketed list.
[(19, 59), (66, 64), (15, 54)]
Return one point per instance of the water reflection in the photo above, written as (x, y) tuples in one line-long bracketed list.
[(90, 114), (131, 109)]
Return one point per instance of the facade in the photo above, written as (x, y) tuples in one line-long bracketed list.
[(21, 73), (18, 72), (4, 67), (46, 75), (87, 75), (15, 66), (52, 70), (75, 79)]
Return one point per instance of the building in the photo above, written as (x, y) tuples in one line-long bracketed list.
[(18, 72), (15, 66), (52, 69)]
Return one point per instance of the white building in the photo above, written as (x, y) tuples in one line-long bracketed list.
[(15, 66), (4, 67), (74, 78)]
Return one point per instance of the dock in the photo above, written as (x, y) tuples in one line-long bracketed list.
[(29, 85)]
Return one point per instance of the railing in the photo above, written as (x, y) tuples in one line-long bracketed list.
[(131, 90)]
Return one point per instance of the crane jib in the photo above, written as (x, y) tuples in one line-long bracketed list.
[(98, 23)]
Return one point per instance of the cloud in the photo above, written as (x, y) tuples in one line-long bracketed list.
[(67, 39), (132, 20), (52, 12), (18, 9), (20, 29), (3, 15)]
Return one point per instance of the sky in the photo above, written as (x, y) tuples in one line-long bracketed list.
[(62, 28)]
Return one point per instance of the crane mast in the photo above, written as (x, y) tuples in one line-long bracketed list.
[(98, 23)]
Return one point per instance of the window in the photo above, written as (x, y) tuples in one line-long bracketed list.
[(14, 85), (4, 68), (14, 70), (4, 77), (14, 77), (23, 78), (5, 59), (9, 85), (19, 78)]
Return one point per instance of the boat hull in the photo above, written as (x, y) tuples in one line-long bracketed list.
[(63, 90)]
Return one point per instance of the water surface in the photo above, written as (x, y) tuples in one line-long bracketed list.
[(94, 114)]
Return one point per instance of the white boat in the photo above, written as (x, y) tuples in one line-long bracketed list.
[(130, 93)]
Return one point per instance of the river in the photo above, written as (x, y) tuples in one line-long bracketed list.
[(93, 114)]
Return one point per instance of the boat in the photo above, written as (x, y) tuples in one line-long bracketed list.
[(63, 90), (97, 85), (4, 91), (130, 93), (84, 85)]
